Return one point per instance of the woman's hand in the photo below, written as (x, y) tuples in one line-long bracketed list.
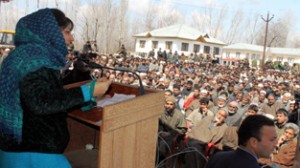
[(101, 86)]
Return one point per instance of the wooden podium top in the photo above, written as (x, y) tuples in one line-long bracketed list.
[(96, 115)]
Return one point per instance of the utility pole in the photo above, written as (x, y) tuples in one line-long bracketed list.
[(266, 37)]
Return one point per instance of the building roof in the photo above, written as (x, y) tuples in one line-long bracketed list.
[(243, 46), (213, 40), (286, 51), (179, 31), (258, 48)]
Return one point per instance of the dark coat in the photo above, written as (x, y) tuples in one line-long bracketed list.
[(233, 159)]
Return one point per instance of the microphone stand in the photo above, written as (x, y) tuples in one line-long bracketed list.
[(97, 66)]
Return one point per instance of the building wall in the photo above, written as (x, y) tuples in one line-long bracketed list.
[(255, 55), (176, 45)]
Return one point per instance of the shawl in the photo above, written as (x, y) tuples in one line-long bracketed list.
[(39, 43)]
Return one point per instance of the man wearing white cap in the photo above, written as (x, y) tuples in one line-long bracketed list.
[(260, 99), (285, 100), (195, 103), (220, 104), (259, 87), (233, 116)]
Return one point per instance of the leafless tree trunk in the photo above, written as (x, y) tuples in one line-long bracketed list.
[(235, 27), (252, 27), (150, 20), (122, 19)]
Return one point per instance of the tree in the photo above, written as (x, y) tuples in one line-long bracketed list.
[(167, 15), (150, 18), (251, 30), (295, 41), (233, 31), (278, 32), (122, 26), (211, 21)]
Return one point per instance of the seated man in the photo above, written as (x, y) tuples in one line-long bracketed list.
[(200, 113), (171, 126), (195, 96), (285, 150), (281, 120), (233, 116), (195, 103), (210, 130), (284, 154), (220, 104), (230, 138)]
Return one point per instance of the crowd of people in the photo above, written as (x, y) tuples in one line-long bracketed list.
[(207, 102)]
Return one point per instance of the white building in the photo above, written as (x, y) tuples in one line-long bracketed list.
[(238, 51), (180, 38)]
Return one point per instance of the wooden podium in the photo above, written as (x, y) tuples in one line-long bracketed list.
[(125, 132)]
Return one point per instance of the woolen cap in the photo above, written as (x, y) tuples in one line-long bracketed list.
[(171, 99)]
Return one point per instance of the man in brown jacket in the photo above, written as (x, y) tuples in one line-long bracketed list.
[(208, 130), (271, 106), (171, 126)]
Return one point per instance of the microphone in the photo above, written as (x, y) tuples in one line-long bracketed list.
[(94, 65)]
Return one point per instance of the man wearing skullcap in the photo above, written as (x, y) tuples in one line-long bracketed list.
[(233, 116), (260, 99), (171, 125), (220, 104)]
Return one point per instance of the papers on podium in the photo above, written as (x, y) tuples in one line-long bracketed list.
[(115, 99)]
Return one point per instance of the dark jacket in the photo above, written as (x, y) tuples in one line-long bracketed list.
[(233, 159), (45, 103)]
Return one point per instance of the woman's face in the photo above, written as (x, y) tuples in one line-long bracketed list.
[(68, 35)]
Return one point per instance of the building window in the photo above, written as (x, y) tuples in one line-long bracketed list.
[(253, 56), (280, 59), (257, 56), (196, 48), (291, 60), (169, 45), (227, 54), (142, 43), (185, 47), (216, 51), (206, 49), (154, 44), (248, 56), (238, 55)]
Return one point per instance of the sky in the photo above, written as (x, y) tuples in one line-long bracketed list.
[(277, 8)]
